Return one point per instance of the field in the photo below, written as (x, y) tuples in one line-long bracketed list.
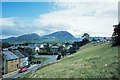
[(94, 60)]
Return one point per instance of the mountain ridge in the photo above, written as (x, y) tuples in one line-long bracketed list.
[(59, 36)]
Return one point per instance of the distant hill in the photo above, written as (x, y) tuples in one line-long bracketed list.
[(28, 37), (11, 39), (60, 36), (23, 38)]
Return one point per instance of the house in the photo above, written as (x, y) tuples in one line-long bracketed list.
[(69, 46), (10, 61), (5, 49), (21, 57), (101, 39), (44, 45), (55, 48), (13, 47), (41, 48), (26, 62), (37, 49), (33, 47)]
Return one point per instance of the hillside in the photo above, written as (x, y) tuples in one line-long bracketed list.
[(94, 60), (22, 38), (28, 37)]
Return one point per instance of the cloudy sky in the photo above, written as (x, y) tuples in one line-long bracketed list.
[(95, 18)]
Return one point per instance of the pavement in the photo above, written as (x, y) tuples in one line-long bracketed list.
[(51, 58), (15, 74)]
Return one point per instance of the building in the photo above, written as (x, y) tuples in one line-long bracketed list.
[(10, 61), (33, 47), (55, 48), (22, 58), (69, 46), (26, 62)]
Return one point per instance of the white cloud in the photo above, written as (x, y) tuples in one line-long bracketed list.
[(7, 21), (96, 18)]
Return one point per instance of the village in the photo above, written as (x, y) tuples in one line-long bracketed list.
[(21, 56), (59, 39)]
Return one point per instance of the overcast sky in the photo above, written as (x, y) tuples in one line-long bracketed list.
[(95, 18)]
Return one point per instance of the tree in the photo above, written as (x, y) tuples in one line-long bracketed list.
[(116, 35), (55, 44), (48, 49), (86, 35), (85, 38), (25, 44), (6, 45), (72, 50)]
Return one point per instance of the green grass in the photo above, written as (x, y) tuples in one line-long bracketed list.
[(94, 60)]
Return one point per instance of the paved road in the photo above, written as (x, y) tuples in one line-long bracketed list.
[(34, 67), (51, 58), (16, 74)]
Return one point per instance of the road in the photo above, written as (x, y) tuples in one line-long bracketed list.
[(33, 67), (51, 58), (16, 74)]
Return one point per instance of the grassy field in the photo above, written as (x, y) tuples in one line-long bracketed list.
[(94, 60)]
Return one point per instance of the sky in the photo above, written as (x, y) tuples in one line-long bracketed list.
[(43, 18)]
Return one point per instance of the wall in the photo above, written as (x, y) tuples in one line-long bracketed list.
[(12, 65), (23, 62)]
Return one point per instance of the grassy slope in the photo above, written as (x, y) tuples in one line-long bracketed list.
[(93, 60)]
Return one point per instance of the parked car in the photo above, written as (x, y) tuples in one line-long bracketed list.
[(23, 70)]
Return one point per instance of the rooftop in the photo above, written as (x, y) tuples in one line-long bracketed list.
[(8, 55)]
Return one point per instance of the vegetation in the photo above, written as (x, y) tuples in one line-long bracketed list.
[(94, 60), (116, 35), (6, 44), (85, 38)]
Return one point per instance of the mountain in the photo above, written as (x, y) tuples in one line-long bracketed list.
[(11, 39), (23, 38), (28, 37), (60, 36)]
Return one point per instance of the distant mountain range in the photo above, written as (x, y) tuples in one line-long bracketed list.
[(56, 37), (60, 36)]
